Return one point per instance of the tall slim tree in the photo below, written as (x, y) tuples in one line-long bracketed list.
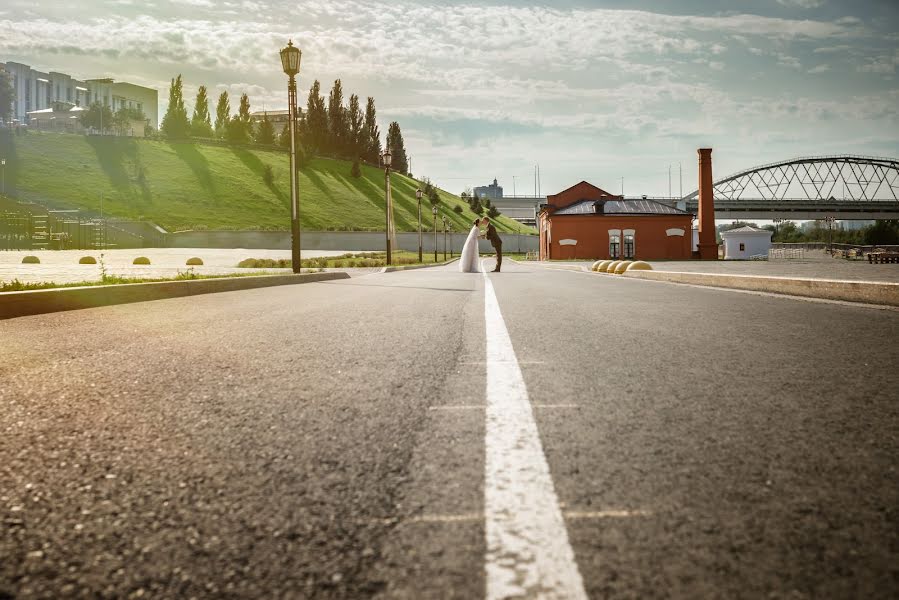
[(7, 96), (397, 148), (371, 134), (243, 113), (201, 122), (175, 124), (316, 126), (356, 121), (222, 114), (338, 129), (266, 133)]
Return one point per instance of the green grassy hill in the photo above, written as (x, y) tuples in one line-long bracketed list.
[(184, 186)]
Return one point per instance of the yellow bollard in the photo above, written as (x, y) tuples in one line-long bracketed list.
[(622, 267), (639, 266), (603, 266)]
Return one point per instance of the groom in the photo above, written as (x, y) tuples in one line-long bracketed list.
[(497, 243)]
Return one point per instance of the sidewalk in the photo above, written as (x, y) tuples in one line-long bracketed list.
[(814, 277)]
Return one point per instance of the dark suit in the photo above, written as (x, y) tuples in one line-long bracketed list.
[(497, 243)]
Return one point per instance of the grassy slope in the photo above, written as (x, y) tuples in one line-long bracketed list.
[(189, 186)]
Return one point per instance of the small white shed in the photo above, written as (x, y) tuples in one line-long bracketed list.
[(746, 242)]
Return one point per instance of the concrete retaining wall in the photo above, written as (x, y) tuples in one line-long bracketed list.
[(18, 304), (870, 292), (355, 241)]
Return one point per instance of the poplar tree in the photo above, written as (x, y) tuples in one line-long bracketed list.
[(316, 126), (201, 123), (371, 135), (397, 148), (356, 121), (175, 124), (243, 113), (337, 121), (222, 115), (7, 95)]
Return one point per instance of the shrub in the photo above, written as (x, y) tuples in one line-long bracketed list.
[(268, 176), (356, 171), (458, 209), (31, 260), (141, 260), (264, 263), (87, 260), (194, 262)]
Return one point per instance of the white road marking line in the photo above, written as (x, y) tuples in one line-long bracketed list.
[(528, 553), (472, 517), (459, 407)]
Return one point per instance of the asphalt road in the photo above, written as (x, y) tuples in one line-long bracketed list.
[(327, 440)]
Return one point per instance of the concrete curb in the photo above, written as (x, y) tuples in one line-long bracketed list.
[(35, 302), (413, 267), (869, 292)]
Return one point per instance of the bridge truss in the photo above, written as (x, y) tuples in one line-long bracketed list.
[(844, 178)]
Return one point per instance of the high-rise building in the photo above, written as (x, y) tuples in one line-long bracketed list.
[(36, 90)]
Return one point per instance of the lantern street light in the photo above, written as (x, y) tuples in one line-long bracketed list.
[(290, 62), (418, 194), (435, 232), (388, 205), (829, 220), (445, 230)]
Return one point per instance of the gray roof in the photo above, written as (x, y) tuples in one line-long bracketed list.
[(620, 207)]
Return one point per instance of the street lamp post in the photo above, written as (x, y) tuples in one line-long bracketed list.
[(418, 195), (290, 61), (3, 175), (435, 232), (387, 157), (829, 220), (445, 229)]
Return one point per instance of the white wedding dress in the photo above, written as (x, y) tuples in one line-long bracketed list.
[(471, 261)]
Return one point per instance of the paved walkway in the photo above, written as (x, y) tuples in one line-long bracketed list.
[(810, 268)]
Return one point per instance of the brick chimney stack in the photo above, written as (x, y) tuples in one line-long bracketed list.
[(708, 245)]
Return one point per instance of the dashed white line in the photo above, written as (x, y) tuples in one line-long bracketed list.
[(528, 553)]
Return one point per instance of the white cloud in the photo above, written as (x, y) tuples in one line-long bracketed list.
[(801, 3), (463, 74)]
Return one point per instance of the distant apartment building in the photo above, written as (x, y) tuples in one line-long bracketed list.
[(278, 118), (492, 191), (39, 91)]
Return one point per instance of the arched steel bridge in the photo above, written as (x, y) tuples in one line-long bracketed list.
[(843, 186)]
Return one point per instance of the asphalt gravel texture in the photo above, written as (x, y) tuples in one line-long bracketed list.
[(326, 440)]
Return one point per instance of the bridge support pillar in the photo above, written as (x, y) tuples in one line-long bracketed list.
[(708, 245)]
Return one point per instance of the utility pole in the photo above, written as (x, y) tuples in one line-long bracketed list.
[(539, 183), (669, 181), (513, 186), (622, 186), (681, 169)]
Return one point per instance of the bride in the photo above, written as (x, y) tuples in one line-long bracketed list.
[(470, 261)]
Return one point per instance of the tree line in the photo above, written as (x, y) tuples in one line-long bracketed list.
[(329, 127), (880, 232)]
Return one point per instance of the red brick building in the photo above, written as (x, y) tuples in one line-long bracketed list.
[(587, 222)]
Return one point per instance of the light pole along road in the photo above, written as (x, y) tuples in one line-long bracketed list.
[(434, 210), (388, 206), (418, 195), (290, 62)]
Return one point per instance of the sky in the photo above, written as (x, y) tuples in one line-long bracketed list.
[(614, 92)]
